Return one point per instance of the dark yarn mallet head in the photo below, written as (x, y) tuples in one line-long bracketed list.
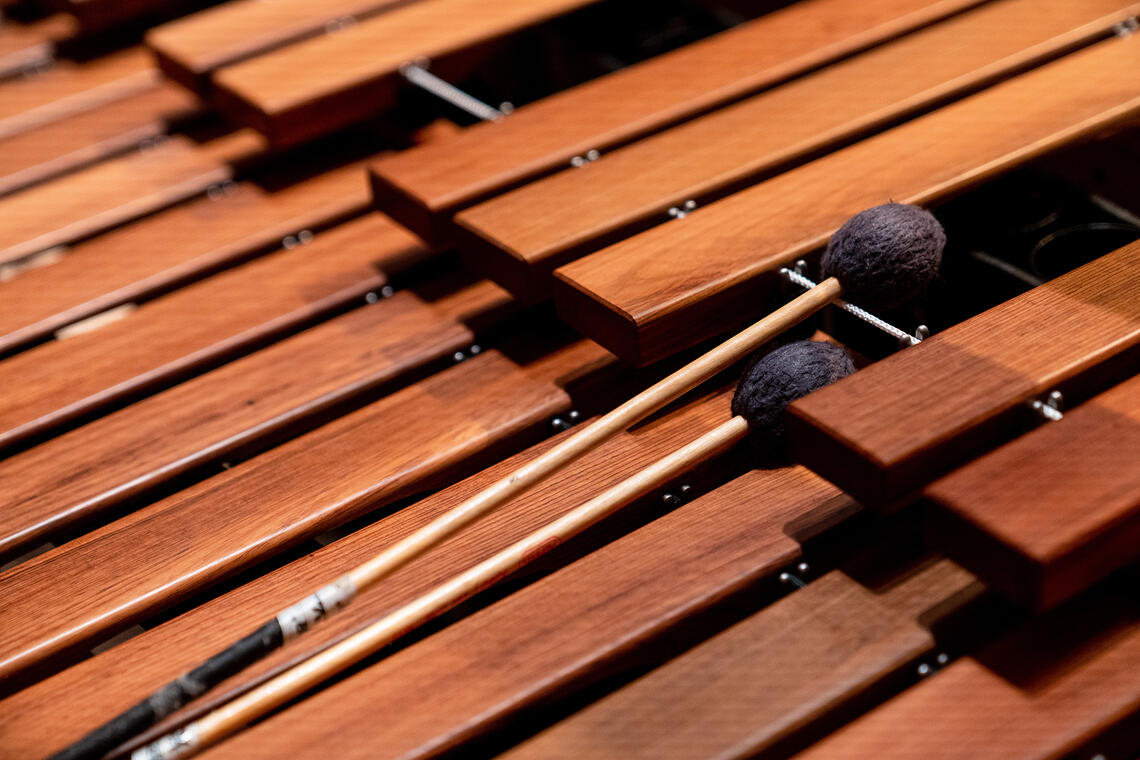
[(777, 379), (886, 255)]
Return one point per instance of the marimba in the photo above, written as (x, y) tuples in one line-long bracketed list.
[(278, 287)]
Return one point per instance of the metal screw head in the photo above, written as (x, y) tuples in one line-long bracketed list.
[(387, 291), (924, 670), (942, 658), (593, 155), (475, 349)]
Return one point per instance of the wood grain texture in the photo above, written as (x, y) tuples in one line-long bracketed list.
[(198, 327), (190, 49), (68, 88), (662, 290), (398, 446), (764, 680), (1043, 691), (554, 635), (520, 237), (163, 250), (117, 191), (248, 403), (1051, 513), (874, 435), (319, 85), (45, 716), (424, 187), (89, 136)]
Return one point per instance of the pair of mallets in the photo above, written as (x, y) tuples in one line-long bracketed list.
[(883, 256)]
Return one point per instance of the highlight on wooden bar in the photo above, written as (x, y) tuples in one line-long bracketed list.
[(696, 379)]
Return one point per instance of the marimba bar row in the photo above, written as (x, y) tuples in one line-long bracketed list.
[(247, 343)]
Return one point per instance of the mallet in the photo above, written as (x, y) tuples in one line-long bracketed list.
[(758, 405), (882, 257)]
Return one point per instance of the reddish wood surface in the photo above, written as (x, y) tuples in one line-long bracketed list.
[(161, 251), (105, 15), (90, 136), (520, 237), (319, 85), (662, 290), (68, 88), (555, 634), (46, 716), (25, 45), (197, 327), (1044, 691), (117, 191), (248, 403), (896, 425), (424, 187), (768, 678), (396, 447), (1053, 512), (190, 49)]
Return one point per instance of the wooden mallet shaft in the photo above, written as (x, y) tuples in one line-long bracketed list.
[(231, 717), (297, 618)]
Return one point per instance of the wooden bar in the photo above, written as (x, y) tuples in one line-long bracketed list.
[(97, 16), (322, 84), (23, 47), (68, 88), (398, 446), (164, 250), (768, 680), (885, 432), (198, 327), (1046, 690), (117, 191), (423, 188), (190, 49), (671, 286), (1053, 512), (90, 136), (237, 409), (555, 635), (519, 238), (46, 716)]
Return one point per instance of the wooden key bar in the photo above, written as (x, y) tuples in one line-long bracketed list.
[(1047, 690), (240, 408), (44, 717), (893, 427), (1053, 512), (322, 84), (198, 327), (769, 679), (159, 252), (90, 136), (520, 237), (676, 284), (23, 47), (557, 634), (104, 15), (424, 187), (403, 444), (190, 49), (68, 88), (116, 191)]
